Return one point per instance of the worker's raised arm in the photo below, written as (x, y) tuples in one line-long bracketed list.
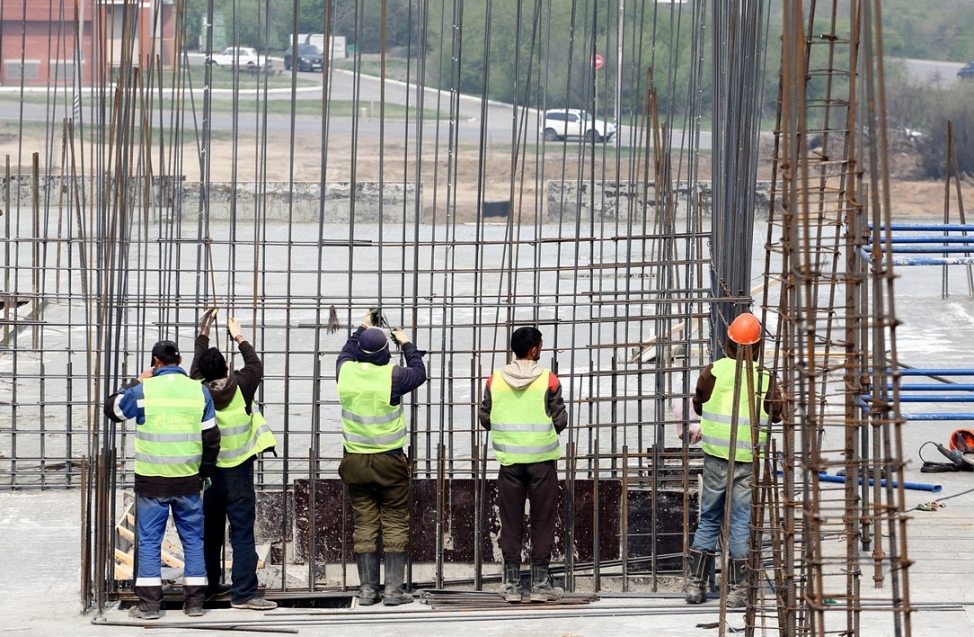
[(555, 404), (705, 388)]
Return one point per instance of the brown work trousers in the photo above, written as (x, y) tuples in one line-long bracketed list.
[(538, 483), (378, 484)]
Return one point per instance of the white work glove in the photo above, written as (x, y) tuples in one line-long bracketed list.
[(367, 320), (689, 429), (400, 336), (693, 432), (208, 317), (233, 328)]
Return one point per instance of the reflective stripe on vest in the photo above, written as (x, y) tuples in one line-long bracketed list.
[(520, 428), (370, 424), (242, 435), (717, 417), (170, 442)]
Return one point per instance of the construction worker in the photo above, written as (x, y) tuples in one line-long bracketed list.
[(524, 411), (714, 402), (176, 446), (244, 435), (374, 468)]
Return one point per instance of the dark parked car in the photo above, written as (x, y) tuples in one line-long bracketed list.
[(966, 73), (310, 58)]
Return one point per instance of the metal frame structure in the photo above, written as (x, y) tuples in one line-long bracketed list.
[(150, 203)]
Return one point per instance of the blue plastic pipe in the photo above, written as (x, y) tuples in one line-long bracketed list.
[(916, 486)]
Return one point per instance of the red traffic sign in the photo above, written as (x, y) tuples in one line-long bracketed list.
[(597, 61)]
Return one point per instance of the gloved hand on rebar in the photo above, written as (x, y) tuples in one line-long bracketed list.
[(233, 329), (692, 432), (367, 320), (208, 317), (400, 336)]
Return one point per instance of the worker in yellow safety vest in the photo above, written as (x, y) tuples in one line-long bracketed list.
[(374, 468), (524, 411), (244, 435), (714, 401), (176, 446)]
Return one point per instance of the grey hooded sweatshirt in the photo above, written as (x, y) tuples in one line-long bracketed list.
[(519, 374)]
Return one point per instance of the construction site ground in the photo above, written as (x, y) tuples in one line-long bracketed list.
[(40, 584), (41, 531)]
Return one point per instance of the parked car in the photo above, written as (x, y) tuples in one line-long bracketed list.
[(241, 57), (310, 58), (967, 72), (560, 124)]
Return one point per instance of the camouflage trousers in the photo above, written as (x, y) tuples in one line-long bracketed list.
[(378, 485)]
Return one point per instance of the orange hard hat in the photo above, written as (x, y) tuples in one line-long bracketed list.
[(745, 330), (962, 440)]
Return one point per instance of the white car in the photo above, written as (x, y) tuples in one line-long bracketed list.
[(563, 123), (242, 57)]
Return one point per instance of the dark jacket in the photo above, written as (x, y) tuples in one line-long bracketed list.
[(404, 379), (124, 404), (223, 389), (519, 374)]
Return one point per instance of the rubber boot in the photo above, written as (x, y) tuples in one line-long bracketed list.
[(193, 597), (510, 590), (393, 595), (368, 577), (700, 564), (737, 579), (541, 588)]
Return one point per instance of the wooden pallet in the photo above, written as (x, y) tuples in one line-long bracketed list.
[(172, 554), (125, 547)]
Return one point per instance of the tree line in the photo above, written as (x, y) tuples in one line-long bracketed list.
[(539, 53)]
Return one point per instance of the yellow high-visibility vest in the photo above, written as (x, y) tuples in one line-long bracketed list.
[(370, 424), (718, 413), (520, 429), (170, 442), (242, 435)]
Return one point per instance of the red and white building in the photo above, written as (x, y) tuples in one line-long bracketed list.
[(42, 41)]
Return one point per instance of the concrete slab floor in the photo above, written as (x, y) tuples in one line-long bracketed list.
[(39, 583)]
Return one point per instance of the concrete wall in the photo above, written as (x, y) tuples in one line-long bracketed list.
[(301, 202), (276, 201), (618, 200)]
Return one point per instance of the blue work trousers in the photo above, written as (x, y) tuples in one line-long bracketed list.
[(231, 498), (712, 500), (152, 515)]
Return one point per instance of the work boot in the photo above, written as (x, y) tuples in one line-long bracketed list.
[(193, 610), (541, 588), (738, 580), (139, 613), (393, 595), (700, 563), (368, 577), (216, 590), (510, 590), (255, 603)]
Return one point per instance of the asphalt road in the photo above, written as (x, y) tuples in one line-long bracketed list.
[(494, 123), (934, 72), (491, 123)]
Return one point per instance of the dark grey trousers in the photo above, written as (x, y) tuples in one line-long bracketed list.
[(538, 484)]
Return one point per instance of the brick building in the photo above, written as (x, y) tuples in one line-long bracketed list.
[(38, 38)]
